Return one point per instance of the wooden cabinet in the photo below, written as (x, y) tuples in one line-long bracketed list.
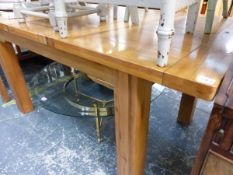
[(215, 155), (216, 164)]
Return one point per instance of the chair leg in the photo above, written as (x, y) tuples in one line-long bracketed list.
[(115, 11), (52, 17), (193, 12), (126, 17), (103, 11), (133, 10), (165, 31), (17, 12), (210, 15), (61, 17), (225, 9), (62, 26)]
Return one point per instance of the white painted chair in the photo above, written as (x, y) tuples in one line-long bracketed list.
[(211, 12), (58, 15), (129, 10), (166, 29), (57, 12)]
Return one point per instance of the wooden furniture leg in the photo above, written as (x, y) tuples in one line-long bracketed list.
[(3, 92), (132, 106), (187, 108), (225, 13), (215, 154), (14, 75), (210, 15)]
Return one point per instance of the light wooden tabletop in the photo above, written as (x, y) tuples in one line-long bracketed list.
[(197, 62)]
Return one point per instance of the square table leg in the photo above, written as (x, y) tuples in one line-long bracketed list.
[(187, 109), (132, 107), (15, 78)]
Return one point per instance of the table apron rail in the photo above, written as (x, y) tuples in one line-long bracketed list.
[(94, 69)]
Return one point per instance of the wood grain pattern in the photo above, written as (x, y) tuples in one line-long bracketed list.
[(29, 35), (14, 75), (132, 106), (187, 109), (217, 165), (91, 68), (3, 92), (132, 49), (206, 140), (3, 27)]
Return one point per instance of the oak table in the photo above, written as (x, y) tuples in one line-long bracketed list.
[(123, 55)]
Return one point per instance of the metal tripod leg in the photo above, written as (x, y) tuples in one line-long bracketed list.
[(98, 120), (76, 86)]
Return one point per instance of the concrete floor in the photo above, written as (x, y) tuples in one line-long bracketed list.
[(44, 142)]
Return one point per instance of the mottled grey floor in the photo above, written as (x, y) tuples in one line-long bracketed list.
[(43, 142)]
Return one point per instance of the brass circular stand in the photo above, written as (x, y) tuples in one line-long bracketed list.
[(88, 103)]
